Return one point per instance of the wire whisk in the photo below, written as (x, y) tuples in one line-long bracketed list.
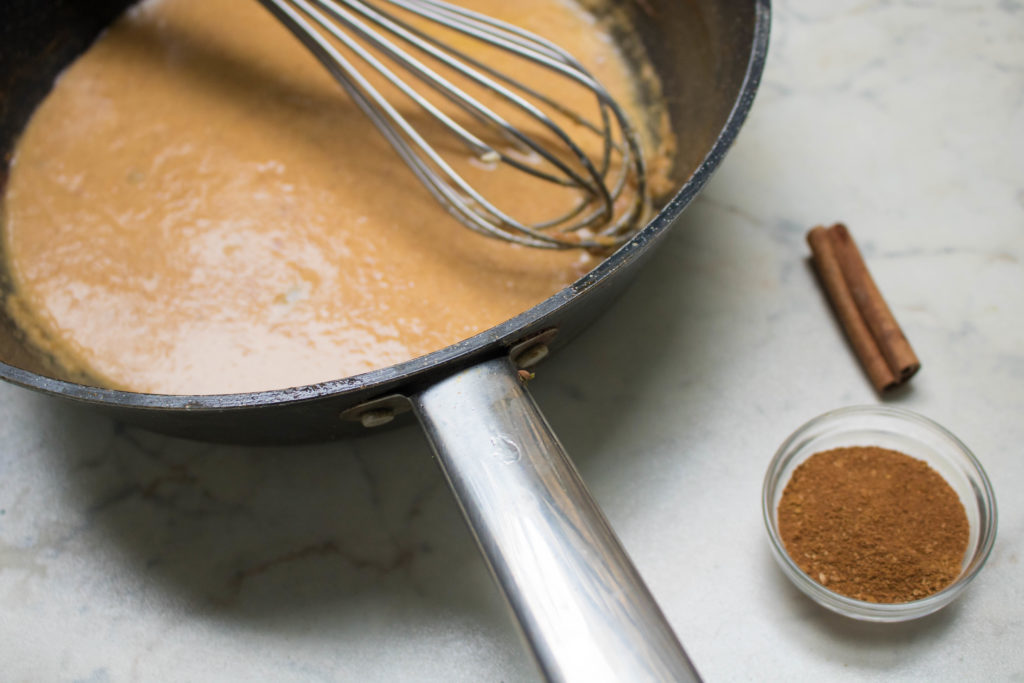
[(609, 187)]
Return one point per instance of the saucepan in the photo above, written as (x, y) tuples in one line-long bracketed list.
[(583, 609)]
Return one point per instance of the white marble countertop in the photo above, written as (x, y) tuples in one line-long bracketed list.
[(127, 556)]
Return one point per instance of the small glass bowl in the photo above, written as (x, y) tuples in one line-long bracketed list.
[(900, 430)]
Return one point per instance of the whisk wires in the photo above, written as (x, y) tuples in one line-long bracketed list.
[(609, 186)]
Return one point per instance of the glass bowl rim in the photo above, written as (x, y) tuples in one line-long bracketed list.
[(862, 609)]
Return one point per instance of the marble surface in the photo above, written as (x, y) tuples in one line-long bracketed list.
[(126, 556)]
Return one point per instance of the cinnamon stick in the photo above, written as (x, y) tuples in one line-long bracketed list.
[(887, 333), (876, 338), (827, 264)]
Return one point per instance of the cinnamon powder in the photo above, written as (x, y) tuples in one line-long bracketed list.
[(873, 524)]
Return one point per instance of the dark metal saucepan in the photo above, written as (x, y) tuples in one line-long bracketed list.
[(583, 608)]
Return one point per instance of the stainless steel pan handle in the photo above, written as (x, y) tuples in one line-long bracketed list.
[(582, 607)]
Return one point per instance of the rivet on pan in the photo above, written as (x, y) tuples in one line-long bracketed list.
[(376, 418), (532, 356)]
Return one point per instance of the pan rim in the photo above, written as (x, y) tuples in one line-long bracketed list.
[(500, 336)]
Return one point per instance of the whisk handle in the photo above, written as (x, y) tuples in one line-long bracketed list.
[(582, 607)]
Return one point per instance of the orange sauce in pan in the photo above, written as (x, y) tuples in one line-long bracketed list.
[(198, 208)]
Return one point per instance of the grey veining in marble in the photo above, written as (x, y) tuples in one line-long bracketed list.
[(126, 556)]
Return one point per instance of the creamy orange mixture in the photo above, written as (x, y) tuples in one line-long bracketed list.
[(198, 208)]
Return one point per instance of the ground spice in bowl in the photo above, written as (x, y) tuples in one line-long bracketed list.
[(873, 524)]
